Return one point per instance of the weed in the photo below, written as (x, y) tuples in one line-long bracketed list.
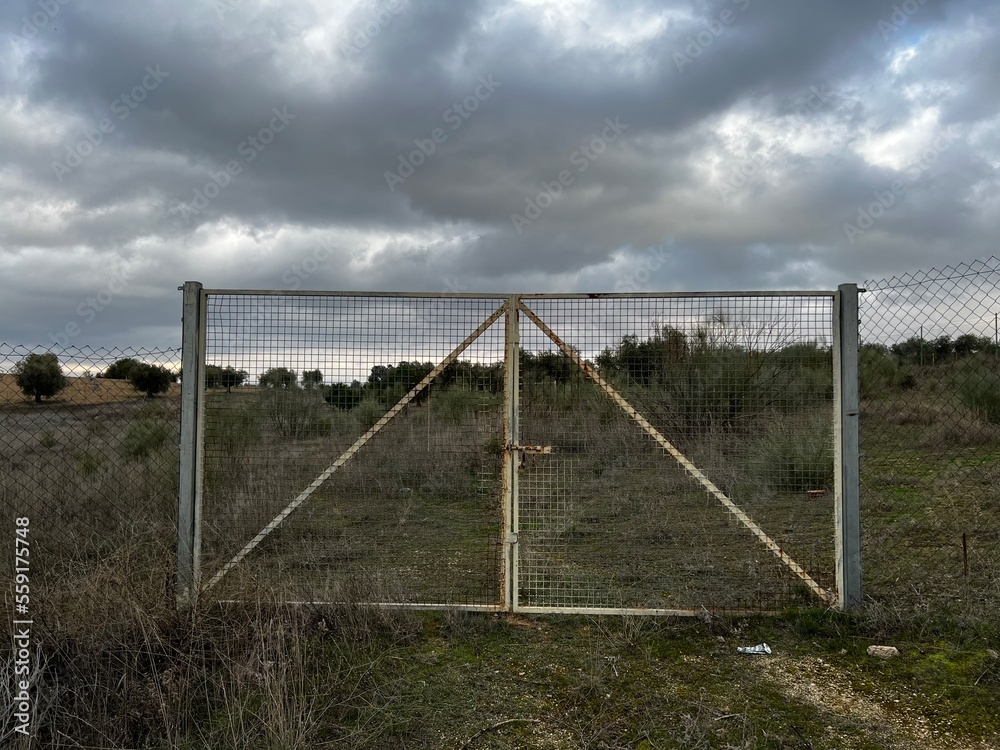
[(145, 437), (795, 455), (979, 390), (87, 463)]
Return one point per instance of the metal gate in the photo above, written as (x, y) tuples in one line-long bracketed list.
[(629, 453)]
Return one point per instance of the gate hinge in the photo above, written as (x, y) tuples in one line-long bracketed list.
[(511, 537)]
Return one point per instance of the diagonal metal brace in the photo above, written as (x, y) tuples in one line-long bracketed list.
[(350, 452), (688, 466)]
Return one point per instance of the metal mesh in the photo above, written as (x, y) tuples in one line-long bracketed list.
[(930, 436), (90, 460), (384, 503), (741, 389), (672, 453)]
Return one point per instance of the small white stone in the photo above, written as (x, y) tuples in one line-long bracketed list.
[(883, 652)]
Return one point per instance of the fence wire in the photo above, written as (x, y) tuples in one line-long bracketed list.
[(304, 496), (331, 473), (930, 437), (88, 453), (742, 389)]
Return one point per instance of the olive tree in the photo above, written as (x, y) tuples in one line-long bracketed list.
[(39, 375), (150, 379)]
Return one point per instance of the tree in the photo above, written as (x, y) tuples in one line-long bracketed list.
[(150, 379), (311, 379), (343, 396), (39, 375), (230, 377), (121, 369), (279, 377), (213, 376)]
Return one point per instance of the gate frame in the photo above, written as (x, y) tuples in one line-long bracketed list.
[(847, 521)]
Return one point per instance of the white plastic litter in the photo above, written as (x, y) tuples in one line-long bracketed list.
[(760, 648)]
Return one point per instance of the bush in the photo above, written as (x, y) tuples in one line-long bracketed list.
[(343, 396), (88, 463), (294, 413), (979, 390), (145, 437), (795, 455), (39, 375), (457, 404), (369, 412)]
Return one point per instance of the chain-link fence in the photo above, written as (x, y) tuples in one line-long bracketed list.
[(88, 453), (930, 437)]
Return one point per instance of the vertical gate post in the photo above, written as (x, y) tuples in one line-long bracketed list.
[(847, 406), (189, 494), (511, 457)]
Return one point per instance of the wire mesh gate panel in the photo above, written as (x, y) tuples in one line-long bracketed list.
[(688, 457), (323, 478), (647, 453)]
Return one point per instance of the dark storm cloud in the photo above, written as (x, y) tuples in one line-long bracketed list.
[(184, 186)]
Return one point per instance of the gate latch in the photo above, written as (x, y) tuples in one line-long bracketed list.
[(524, 450), (530, 448)]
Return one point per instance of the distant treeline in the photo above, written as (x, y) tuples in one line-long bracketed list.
[(736, 369)]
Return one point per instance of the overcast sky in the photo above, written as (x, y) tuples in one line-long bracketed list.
[(481, 145)]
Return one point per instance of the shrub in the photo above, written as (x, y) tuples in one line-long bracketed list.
[(88, 463), (144, 437), (294, 413), (39, 375), (979, 390), (343, 396), (456, 404), (369, 412), (795, 455)]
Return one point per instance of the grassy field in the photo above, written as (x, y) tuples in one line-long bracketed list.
[(127, 672), (607, 519), (416, 516)]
